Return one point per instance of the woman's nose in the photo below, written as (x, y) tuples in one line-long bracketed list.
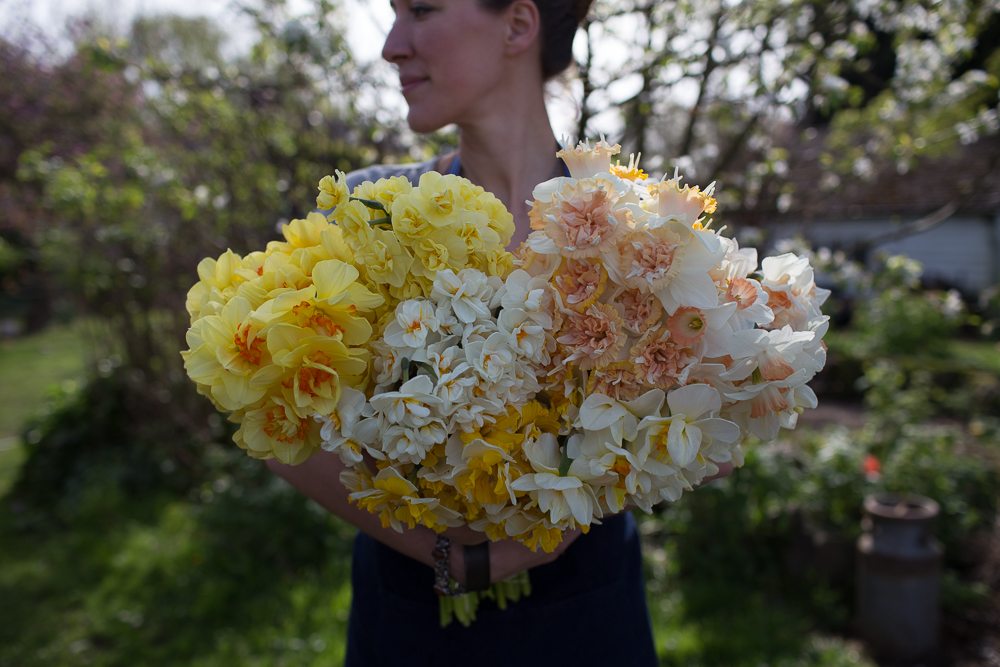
[(397, 44)]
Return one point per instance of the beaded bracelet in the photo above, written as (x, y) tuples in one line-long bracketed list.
[(443, 582)]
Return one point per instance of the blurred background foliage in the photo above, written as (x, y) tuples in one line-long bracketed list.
[(133, 530)]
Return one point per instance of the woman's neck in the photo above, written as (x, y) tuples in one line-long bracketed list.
[(509, 154)]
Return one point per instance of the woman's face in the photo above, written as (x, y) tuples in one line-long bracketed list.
[(450, 57)]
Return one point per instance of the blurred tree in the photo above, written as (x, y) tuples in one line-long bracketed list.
[(203, 151), (61, 108), (733, 90)]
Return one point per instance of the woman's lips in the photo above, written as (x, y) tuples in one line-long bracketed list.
[(408, 84)]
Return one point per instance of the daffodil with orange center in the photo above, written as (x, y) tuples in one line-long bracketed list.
[(581, 219), (661, 361), (581, 282), (640, 310), (686, 203), (593, 338), (618, 380), (687, 326), (274, 429), (315, 368), (228, 356)]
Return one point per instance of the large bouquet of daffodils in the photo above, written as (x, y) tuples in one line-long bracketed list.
[(620, 359), (630, 354)]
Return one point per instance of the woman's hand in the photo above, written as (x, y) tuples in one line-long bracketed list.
[(508, 557), (725, 469)]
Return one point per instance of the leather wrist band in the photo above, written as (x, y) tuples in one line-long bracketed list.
[(477, 566)]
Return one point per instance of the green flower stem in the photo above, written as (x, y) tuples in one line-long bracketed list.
[(464, 607), (371, 203)]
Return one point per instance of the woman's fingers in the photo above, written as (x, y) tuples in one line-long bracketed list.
[(508, 557)]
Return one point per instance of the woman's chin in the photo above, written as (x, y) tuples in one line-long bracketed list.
[(424, 123)]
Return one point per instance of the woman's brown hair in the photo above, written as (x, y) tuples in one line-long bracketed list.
[(560, 20)]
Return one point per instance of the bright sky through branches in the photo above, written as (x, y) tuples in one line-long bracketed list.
[(368, 24)]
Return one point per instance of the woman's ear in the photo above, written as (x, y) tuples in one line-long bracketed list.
[(523, 26)]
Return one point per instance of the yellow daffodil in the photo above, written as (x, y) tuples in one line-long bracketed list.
[(275, 430), (354, 220), (305, 233), (397, 503), (332, 191), (218, 279), (385, 259), (229, 355)]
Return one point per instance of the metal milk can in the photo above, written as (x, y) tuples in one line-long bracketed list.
[(899, 577)]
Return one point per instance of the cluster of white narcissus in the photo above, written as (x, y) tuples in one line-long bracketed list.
[(451, 372)]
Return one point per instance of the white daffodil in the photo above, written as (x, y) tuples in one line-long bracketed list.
[(765, 408), (468, 292), (561, 497), (350, 451), (455, 387), (448, 324), (363, 438), (685, 204), (492, 359), (523, 383), (410, 445), (445, 357), (387, 363), (346, 432), (473, 415), (415, 320), (530, 294), (585, 160), (524, 334), (736, 262), (672, 261), (681, 434), (541, 243), (432, 433), (411, 406), (778, 354), (792, 292), (619, 418), (351, 407)]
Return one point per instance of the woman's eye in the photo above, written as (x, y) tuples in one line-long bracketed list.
[(420, 11)]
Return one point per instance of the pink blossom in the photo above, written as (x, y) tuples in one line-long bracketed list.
[(581, 281), (641, 310), (594, 337), (662, 361)]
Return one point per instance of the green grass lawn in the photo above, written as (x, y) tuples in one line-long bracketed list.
[(110, 579), (30, 369)]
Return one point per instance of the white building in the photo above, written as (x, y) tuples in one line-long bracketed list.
[(944, 214)]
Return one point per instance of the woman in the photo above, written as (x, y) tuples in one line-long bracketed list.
[(482, 65)]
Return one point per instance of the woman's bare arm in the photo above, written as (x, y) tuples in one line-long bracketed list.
[(319, 479)]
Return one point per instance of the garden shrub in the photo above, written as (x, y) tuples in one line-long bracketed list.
[(93, 436)]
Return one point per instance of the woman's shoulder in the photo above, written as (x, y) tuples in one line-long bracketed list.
[(411, 171)]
